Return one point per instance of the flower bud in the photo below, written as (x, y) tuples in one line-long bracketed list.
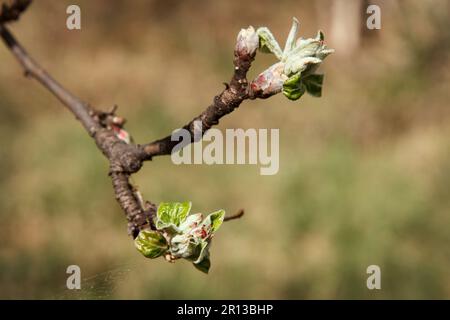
[(247, 42), (269, 82)]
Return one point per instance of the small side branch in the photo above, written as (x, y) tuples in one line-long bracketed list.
[(237, 215)]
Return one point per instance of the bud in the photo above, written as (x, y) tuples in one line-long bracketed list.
[(269, 82), (295, 73), (180, 235), (247, 42)]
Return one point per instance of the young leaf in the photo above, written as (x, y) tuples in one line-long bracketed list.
[(290, 41), (296, 64), (216, 219), (204, 265), (203, 262), (313, 84), (293, 88), (324, 52), (306, 47), (151, 243), (267, 42), (203, 252), (172, 214)]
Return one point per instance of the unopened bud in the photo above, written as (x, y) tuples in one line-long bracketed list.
[(269, 82), (247, 42)]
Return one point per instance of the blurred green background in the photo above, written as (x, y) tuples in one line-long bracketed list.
[(364, 171)]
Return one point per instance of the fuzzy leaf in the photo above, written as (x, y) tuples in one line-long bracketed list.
[(267, 42), (296, 64), (151, 244), (313, 84), (290, 41), (324, 52), (306, 47)]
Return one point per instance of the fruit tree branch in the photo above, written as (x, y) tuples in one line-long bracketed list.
[(168, 230), (124, 158)]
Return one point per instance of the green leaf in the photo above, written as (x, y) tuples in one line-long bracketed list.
[(298, 64), (172, 214), (324, 52), (306, 48), (181, 246), (203, 262), (216, 219), (151, 243), (267, 42), (293, 88), (313, 84), (204, 265), (209, 225)]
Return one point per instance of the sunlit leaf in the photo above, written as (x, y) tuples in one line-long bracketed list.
[(293, 88), (172, 214), (151, 243), (216, 219)]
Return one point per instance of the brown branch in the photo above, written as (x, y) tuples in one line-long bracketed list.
[(223, 104), (12, 12), (237, 215), (79, 108), (124, 159)]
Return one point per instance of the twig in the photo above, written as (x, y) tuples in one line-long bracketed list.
[(237, 215), (226, 102), (79, 108), (13, 11)]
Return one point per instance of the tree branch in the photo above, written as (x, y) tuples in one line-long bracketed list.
[(126, 159), (237, 215), (80, 109), (224, 103), (13, 11), (293, 75)]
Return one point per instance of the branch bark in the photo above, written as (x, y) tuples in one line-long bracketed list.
[(13, 11), (223, 104)]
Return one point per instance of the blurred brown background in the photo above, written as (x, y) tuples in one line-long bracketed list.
[(364, 170)]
